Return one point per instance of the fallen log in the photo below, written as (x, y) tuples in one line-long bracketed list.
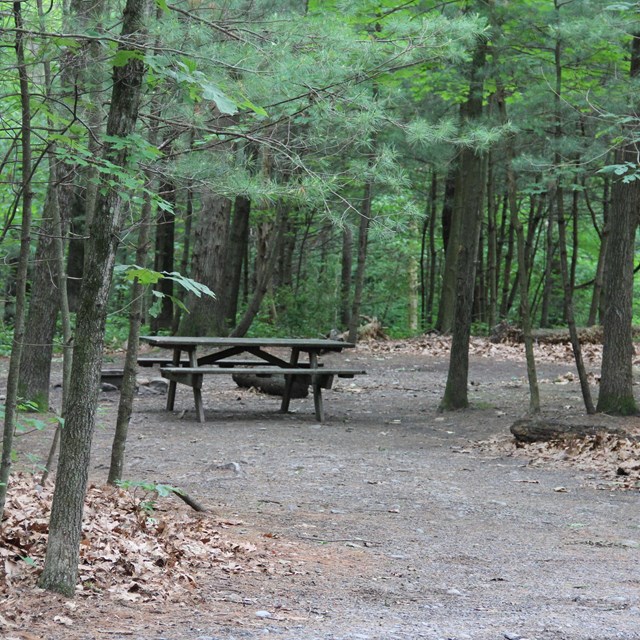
[(540, 430), (273, 386), (508, 333)]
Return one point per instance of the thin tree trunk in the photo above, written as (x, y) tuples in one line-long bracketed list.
[(164, 256), (548, 273), (562, 240), (184, 260), (136, 308), (363, 242), (492, 251), (345, 275), (238, 241), (450, 235), (128, 388), (412, 275), (11, 400), (568, 302), (264, 278), (596, 298), (525, 313), (507, 281), (37, 354), (65, 526), (433, 255)]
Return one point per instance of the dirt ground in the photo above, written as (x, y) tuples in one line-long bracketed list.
[(389, 521)]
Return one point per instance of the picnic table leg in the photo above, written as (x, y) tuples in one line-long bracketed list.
[(171, 393), (197, 386), (317, 398), (288, 382), (197, 396)]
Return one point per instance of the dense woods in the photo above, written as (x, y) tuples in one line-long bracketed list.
[(289, 167)]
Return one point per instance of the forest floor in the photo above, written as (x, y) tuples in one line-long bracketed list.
[(389, 521)]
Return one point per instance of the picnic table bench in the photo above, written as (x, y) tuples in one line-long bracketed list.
[(221, 358)]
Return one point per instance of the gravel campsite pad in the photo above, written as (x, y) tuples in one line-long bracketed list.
[(389, 521)]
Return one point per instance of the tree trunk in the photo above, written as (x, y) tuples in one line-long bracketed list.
[(206, 316), (492, 250), (568, 304), (238, 241), (184, 260), (562, 241), (35, 365), (264, 275), (433, 254), (65, 526), (468, 212), (363, 243), (136, 308), (616, 382), (450, 234), (345, 275), (128, 387), (525, 312), (11, 400), (596, 299), (549, 270), (414, 289), (471, 184), (164, 257)]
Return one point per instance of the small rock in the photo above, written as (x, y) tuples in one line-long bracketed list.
[(107, 387), (159, 385), (513, 636), (264, 614), (453, 592)]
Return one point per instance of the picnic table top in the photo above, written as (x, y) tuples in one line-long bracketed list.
[(304, 344)]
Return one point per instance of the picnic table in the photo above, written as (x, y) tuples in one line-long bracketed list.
[(193, 358)]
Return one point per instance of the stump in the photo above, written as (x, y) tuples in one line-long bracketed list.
[(541, 430), (274, 385)]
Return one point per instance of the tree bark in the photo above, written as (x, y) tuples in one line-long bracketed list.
[(238, 241), (450, 234), (616, 382), (11, 401), (264, 275), (35, 365), (345, 275), (206, 314), (65, 526), (164, 257), (363, 242), (468, 212)]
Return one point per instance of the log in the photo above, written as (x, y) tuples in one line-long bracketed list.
[(540, 430), (273, 386), (505, 332)]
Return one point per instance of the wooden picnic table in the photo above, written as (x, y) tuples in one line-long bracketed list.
[(214, 356)]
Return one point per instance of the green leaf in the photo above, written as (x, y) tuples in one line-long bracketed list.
[(123, 56), (197, 288), (162, 4), (178, 303), (144, 276), (223, 102), (247, 104), (65, 41)]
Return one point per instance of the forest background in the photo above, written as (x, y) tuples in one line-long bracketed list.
[(285, 168)]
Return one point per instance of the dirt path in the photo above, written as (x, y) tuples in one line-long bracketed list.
[(392, 522)]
